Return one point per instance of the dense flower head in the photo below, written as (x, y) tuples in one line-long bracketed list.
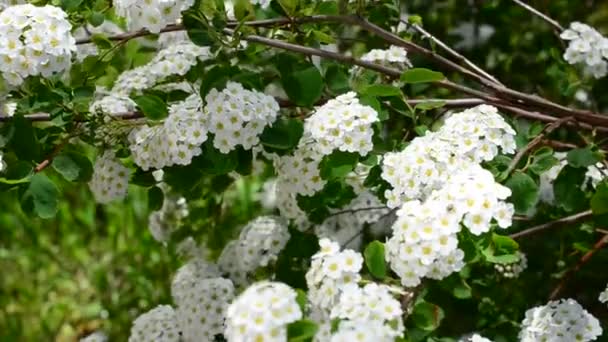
[(110, 178), (329, 272), (7, 3), (427, 163), (174, 142), (34, 41), (371, 303), (369, 331), (152, 15), (187, 276), (342, 124), (159, 324), (262, 313), (238, 116), (112, 104), (514, 269), (586, 47), (394, 55), (564, 320), (258, 245)]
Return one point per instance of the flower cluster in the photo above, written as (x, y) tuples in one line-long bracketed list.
[(162, 222), (427, 163), (262, 313), (475, 338), (370, 305), (342, 124), (258, 245), (586, 47), (176, 141), (512, 270), (369, 331), (174, 60), (7, 3), (329, 272), (237, 116), (152, 15), (604, 295), (2, 163), (560, 321), (158, 324), (110, 179), (35, 41), (112, 104), (424, 242), (394, 55)]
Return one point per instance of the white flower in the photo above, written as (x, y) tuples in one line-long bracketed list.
[(97, 336), (262, 313), (110, 179), (587, 47), (475, 338), (151, 14), (513, 270), (34, 41), (560, 321), (393, 56), (604, 296), (2, 163), (159, 324)]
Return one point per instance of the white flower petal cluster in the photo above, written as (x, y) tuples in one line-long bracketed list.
[(586, 47), (174, 60), (604, 295), (424, 241), (342, 124), (262, 313), (427, 163), (34, 41), (237, 116), (97, 336), (2, 163), (369, 331), (110, 179), (112, 104), (152, 15), (330, 271), (475, 338), (194, 271), (512, 270), (370, 304), (159, 324), (258, 245), (164, 221), (263, 3), (392, 56), (559, 321), (7, 3), (174, 142)]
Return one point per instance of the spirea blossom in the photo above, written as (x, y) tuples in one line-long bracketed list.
[(110, 179), (604, 295), (164, 221), (7, 3), (370, 331), (329, 272), (97, 336), (2, 163), (174, 142), (237, 116), (394, 55), (586, 47), (159, 325), (258, 245), (113, 104), (373, 303), (342, 124), (152, 15), (512, 270), (35, 41), (564, 320), (262, 313), (475, 338)]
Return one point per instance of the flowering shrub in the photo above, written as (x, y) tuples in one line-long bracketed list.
[(293, 170)]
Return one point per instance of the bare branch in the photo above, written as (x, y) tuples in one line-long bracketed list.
[(564, 221), (537, 13)]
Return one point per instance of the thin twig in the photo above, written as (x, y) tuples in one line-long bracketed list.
[(351, 211), (534, 142), (601, 243), (49, 159), (564, 221), (537, 13)]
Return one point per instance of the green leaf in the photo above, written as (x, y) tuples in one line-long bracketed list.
[(381, 90), (567, 189), (101, 41), (43, 193), (374, 259), (284, 134), (73, 166), (289, 6), (542, 163), (196, 31), (421, 75), (155, 198), (524, 192), (583, 157), (338, 164), (23, 139), (504, 244), (599, 201), (303, 87), (152, 106), (427, 316), (96, 18), (70, 5), (302, 330), (337, 79)]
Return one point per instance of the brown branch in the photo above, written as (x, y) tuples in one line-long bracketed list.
[(539, 14), (564, 221), (601, 243), (352, 211), (534, 142), (46, 162), (124, 37)]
